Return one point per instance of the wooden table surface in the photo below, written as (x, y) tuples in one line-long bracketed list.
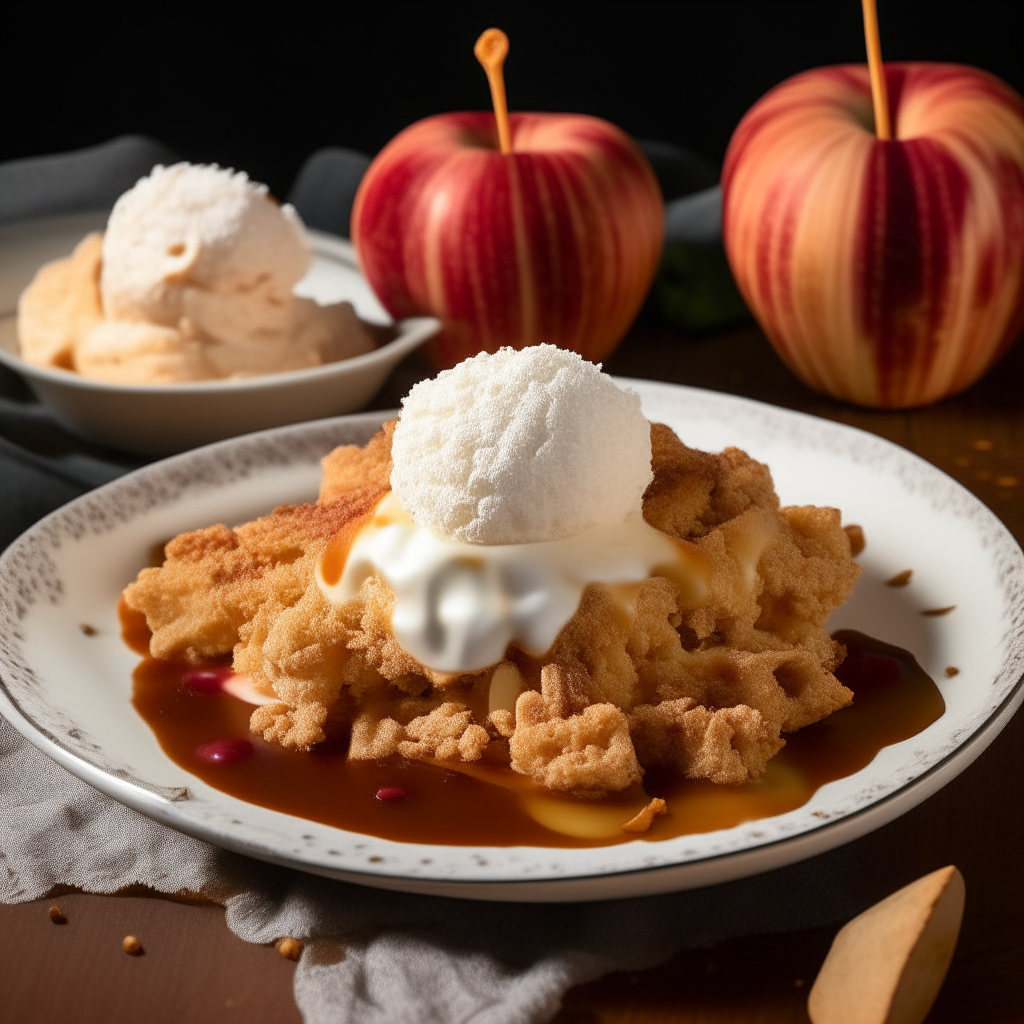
[(194, 969)]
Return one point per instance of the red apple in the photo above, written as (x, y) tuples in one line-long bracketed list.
[(888, 273), (557, 241)]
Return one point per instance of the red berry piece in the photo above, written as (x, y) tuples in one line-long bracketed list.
[(226, 751), (390, 794), (205, 680)]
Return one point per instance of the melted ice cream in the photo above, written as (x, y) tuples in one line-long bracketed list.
[(458, 606)]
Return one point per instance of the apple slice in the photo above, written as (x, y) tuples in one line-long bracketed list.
[(887, 965), (242, 688)]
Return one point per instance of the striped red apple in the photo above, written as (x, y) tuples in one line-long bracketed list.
[(556, 241), (889, 273)]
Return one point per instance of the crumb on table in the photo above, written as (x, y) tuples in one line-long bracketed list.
[(856, 535), (901, 579)]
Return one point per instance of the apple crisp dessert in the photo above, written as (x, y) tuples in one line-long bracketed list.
[(656, 674)]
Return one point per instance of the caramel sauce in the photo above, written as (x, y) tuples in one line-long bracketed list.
[(893, 699), (689, 572), (332, 561), (134, 631)]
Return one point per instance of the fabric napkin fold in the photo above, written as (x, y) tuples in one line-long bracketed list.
[(86, 179), (371, 955)]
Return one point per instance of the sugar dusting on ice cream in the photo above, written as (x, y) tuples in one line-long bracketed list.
[(520, 446), (200, 228)]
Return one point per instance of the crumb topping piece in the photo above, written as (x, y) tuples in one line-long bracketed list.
[(642, 821), (857, 540)]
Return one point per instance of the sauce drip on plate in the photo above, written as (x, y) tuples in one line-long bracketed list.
[(894, 699)]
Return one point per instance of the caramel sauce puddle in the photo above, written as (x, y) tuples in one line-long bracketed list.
[(894, 699)]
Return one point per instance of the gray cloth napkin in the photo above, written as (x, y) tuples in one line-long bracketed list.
[(371, 955), (325, 188), (88, 179)]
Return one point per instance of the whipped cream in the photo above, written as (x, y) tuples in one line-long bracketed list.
[(458, 606)]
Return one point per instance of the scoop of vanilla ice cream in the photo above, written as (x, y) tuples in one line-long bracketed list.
[(206, 244), (520, 446)]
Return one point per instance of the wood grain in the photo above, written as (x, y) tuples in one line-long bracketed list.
[(191, 969)]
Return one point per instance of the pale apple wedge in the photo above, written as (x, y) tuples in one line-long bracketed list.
[(887, 965)]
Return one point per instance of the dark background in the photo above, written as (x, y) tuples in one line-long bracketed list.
[(261, 91)]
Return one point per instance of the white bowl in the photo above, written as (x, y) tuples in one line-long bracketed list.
[(162, 419)]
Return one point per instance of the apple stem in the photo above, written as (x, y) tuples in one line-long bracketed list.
[(879, 98), (491, 50)]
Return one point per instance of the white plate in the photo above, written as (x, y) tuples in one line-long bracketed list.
[(69, 693), (159, 419)]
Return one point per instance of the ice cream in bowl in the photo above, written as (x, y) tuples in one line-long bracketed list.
[(188, 317)]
